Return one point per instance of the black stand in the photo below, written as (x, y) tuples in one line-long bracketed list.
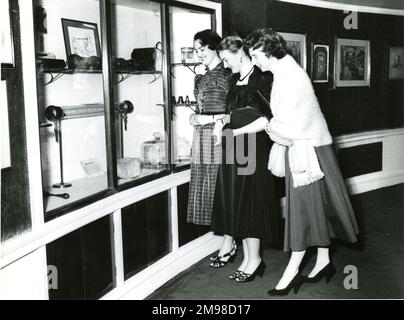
[(58, 134)]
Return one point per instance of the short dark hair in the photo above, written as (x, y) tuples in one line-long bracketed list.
[(208, 38), (233, 43), (271, 42)]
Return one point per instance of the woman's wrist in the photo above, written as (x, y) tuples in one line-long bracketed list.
[(193, 120)]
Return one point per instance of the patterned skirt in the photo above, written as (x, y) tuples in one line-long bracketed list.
[(321, 211), (205, 161)]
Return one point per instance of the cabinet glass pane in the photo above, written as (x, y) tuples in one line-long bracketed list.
[(184, 64), (70, 100), (137, 64)]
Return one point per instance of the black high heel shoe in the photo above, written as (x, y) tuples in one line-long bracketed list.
[(295, 284), (247, 277), (215, 256), (328, 272), (220, 263)]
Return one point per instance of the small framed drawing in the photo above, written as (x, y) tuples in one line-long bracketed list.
[(352, 66), (296, 44), (81, 38), (320, 63), (396, 63)]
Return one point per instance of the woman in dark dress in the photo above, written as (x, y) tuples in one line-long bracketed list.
[(245, 206)]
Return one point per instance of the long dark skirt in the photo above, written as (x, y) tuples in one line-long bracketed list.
[(245, 206), (320, 211)]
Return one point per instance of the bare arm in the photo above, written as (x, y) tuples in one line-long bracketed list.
[(254, 127), (201, 119)]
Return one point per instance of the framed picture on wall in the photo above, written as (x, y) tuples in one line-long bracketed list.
[(396, 63), (320, 63), (81, 38), (296, 44), (352, 66)]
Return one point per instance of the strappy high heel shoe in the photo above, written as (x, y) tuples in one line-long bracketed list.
[(295, 284), (220, 263), (247, 277), (215, 256), (235, 274), (328, 272)]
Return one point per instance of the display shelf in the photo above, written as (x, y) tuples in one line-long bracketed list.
[(85, 187), (187, 65), (80, 189), (192, 64), (189, 105), (144, 173), (125, 74)]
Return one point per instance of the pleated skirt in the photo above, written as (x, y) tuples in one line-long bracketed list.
[(321, 211)]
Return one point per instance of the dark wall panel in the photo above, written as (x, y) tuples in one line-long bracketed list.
[(134, 237), (359, 160), (158, 226), (97, 258), (146, 233), (66, 255), (347, 110), (83, 260)]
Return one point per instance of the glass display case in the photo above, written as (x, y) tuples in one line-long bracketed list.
[(137, 62), (185, 23), (115, 92), (71, 105)]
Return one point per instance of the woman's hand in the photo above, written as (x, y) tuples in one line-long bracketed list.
[(237, 132), (217, 132), (254, 127), (203, 119), (200, 119)]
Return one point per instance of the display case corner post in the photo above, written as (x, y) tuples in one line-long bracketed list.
[(106, 53), (167, 86)]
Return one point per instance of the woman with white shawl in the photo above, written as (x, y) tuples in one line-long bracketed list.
[(318, 208)]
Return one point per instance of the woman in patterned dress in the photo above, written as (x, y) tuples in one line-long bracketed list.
[(210, 92)]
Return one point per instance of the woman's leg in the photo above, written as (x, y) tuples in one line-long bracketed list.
[(243, 265), (323, 258), (291, 270), (254, 258), (227, 246)]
